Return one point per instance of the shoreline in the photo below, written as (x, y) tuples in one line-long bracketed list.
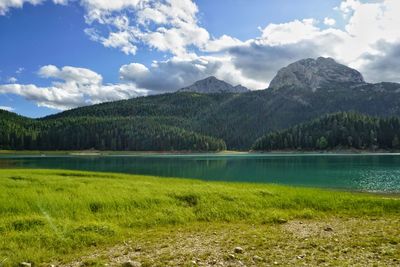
[(217, 153)]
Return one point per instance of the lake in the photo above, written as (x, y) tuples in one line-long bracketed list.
[(364, 172)]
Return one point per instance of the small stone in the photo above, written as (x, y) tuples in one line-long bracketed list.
[(193, 262), (257, 258), (328, 229), (276, 263), (282, 221), (301, 257), (238, 250), (25, 264), (131, 264), (138, 249), (231, 256)]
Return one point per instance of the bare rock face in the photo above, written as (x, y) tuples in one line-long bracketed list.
[(314, 74), (212, 85)]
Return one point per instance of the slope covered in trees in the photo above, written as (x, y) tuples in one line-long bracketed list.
[(340, 130), (103, 133), (300, 92), (239, 119)]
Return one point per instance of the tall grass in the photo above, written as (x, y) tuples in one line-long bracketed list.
[(55, 214)]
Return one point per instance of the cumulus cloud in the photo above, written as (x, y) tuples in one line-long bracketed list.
[(166, 25), (329, 21), (7, 108), (72, 87), (6, 5), (176, 73), (383, 66)]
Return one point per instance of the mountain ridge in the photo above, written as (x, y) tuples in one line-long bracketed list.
[(240, 118), (314, 74), (212, 85)]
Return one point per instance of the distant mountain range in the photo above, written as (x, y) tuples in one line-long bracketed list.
[(214, 109), (212, 85)]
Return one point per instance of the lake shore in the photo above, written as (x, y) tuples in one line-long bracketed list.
[(222, 153), (70, 218)]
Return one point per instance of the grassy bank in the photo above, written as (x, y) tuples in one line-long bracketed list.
[(54, 216)]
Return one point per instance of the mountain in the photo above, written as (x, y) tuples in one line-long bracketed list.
[(236, 120), (212, 85), (315, 74), (340, 130)]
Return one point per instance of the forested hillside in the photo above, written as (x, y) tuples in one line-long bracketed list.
[(340, 130), (103, 133), (302, 91), (239, 119)]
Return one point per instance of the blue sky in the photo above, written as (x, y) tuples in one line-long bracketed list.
[(59, 56)]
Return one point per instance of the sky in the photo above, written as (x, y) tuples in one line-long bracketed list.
[(62, 54)]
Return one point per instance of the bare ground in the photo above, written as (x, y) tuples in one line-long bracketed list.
[(329, 242)]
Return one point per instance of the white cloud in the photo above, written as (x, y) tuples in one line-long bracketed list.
[(70, 74), (6, 5), (7, 108), (176, 73), (329, 21), (347, 6), (19, 70), (222, 43), (72, 87), (122, 40), (288, 33), (166, 25), (12, 80)]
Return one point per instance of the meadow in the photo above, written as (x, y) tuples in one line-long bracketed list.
[(78, 218)]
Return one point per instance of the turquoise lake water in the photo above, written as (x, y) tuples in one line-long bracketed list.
[(372, 172)]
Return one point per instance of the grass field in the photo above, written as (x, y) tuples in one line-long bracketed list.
[(82, 218)]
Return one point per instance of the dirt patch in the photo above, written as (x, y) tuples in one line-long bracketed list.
[(331, 242)]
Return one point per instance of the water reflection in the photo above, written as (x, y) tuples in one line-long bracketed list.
[(355, 172)]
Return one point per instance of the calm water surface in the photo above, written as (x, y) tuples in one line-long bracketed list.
[(378, 173)]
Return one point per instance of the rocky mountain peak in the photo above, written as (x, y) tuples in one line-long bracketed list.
[(211, 85), (314, 74)]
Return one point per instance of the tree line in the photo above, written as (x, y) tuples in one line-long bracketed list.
[(115, 133), (336, 131)]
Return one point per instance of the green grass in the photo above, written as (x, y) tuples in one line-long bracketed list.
[(57, 215)]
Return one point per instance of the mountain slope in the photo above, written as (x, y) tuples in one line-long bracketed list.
[(314, 74), (239, 119), (212, 85), (103, 133), (341, 130)]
